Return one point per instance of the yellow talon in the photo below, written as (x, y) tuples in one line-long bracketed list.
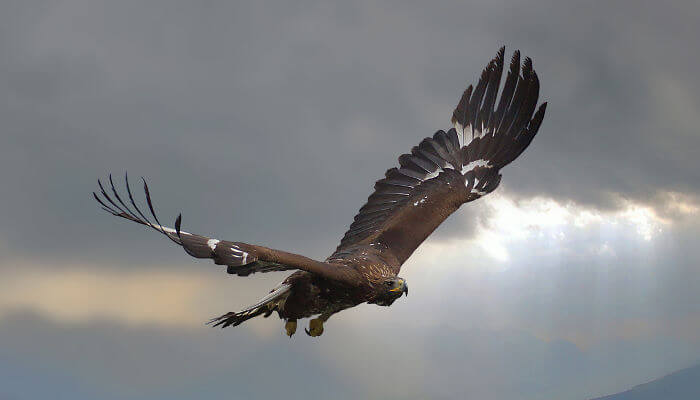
[(315, 327), (291, 327)]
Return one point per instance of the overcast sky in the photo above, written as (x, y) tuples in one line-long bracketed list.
[(269, 121)]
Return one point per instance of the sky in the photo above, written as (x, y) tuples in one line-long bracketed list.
[(269, 121)]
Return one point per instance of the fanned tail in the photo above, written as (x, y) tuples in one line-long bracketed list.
[(265, 306)]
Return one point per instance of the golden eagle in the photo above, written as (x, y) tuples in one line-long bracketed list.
[(431, 182)]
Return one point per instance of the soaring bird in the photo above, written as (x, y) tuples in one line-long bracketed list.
[(430, 183)]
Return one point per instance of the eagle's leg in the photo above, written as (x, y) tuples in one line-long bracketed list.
[(291, 327), (316, 325)]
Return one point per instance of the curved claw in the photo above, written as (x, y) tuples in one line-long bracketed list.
[(291, 327), (315, 327)]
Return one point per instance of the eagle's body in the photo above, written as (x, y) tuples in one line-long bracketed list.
[(312, 295), (432, 181)]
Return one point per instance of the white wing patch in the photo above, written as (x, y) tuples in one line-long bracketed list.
[(433, 174), (239, 253), (212, 243), (474, 164), (170, 230), (173, 231)]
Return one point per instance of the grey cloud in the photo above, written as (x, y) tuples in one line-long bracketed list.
[(107, 360), (259, 123), (269, 122), (480, 331), (567, 285)]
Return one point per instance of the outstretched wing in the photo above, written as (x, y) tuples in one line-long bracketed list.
[(454, 167), (241, 258)]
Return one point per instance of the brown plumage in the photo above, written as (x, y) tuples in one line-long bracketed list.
[(431, 182)]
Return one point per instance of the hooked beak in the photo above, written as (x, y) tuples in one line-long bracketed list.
[(401, 287)]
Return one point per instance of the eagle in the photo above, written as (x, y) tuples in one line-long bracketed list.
[(441, 173)]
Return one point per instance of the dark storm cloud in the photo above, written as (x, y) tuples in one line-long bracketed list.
[(269, 122), (260, 120)]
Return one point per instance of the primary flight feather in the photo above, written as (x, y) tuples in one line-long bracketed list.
[(430, 183)]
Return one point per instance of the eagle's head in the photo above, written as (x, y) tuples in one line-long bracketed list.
[(389, 290)]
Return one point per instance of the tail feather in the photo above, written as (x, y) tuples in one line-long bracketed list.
[(266, 306)]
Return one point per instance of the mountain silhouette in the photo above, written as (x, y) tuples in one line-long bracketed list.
[(680, 385)]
